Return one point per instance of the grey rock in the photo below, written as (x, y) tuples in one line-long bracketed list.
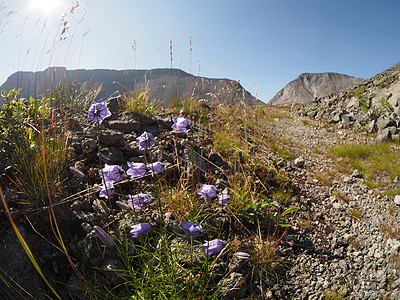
[(126, 124), (392, 130), (381, 276), (387, 94), (233, 286), (358, 117), (396, 137), (299, 162), (115, 155), (87, 227), (371, 126), (348, 180), (312, 113), (346, 119), (379, 80), (397, 200), (114, 104), (109, 138), (336, 118), (89, 145), (384, 122), (357, 174), (383, 135), (101, 208), (76, 205), (343, 265), (395, 284)]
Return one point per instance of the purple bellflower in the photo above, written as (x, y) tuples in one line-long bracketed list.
[(123, 205), (98, 111), (106, 189), (112, 173), (208, 189), (103, 236), (191, 229), (181, 124), (146, 140), (155, 168), (77, 173), (139, 200), (213, 246), (140, 229), (136, 169), (224, 199)]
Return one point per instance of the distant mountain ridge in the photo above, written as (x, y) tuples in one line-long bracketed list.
[(308, 86), (163, 84)]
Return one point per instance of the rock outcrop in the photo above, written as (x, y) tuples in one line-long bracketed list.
[(309, 86), (373, 106)]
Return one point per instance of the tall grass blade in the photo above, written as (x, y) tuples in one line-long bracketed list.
[(25, 245)]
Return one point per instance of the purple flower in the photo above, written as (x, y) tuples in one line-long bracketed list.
[(208, 189), (106, 189), (112, 173), (77, 173), (181, 124), (103, 236), (98, 111), (123, 205), (104, 157), (140, 229), (213, 246), (190, 228), (136, 169), (139, 200), (146, 140), (224, 199), (155, 168)]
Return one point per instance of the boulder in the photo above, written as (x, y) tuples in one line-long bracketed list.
[(371, 126), (125, 125), (346, 119), (397, 200), (383, 135), (109, 138), (384, 122), (299, 162)]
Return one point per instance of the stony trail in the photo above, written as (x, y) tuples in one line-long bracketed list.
[(339, 245)]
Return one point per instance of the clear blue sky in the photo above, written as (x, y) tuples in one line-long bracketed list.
[(264, 43)]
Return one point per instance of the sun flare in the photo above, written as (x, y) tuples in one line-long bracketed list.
[(46, 6)]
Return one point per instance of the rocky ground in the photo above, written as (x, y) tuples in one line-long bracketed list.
[(332, 250), (338, 245)]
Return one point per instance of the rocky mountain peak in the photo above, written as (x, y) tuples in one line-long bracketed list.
[(308, 86)]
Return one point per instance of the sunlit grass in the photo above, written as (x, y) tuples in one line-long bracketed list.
[(141, 104), (379, 163)]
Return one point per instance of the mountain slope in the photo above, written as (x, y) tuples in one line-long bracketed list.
[(163, 84), (309, 86), (373, 105)]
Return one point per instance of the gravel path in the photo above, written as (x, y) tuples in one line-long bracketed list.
[(343, 243)]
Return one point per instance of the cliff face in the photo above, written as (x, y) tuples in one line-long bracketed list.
[(309, 86), (162, 84)]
